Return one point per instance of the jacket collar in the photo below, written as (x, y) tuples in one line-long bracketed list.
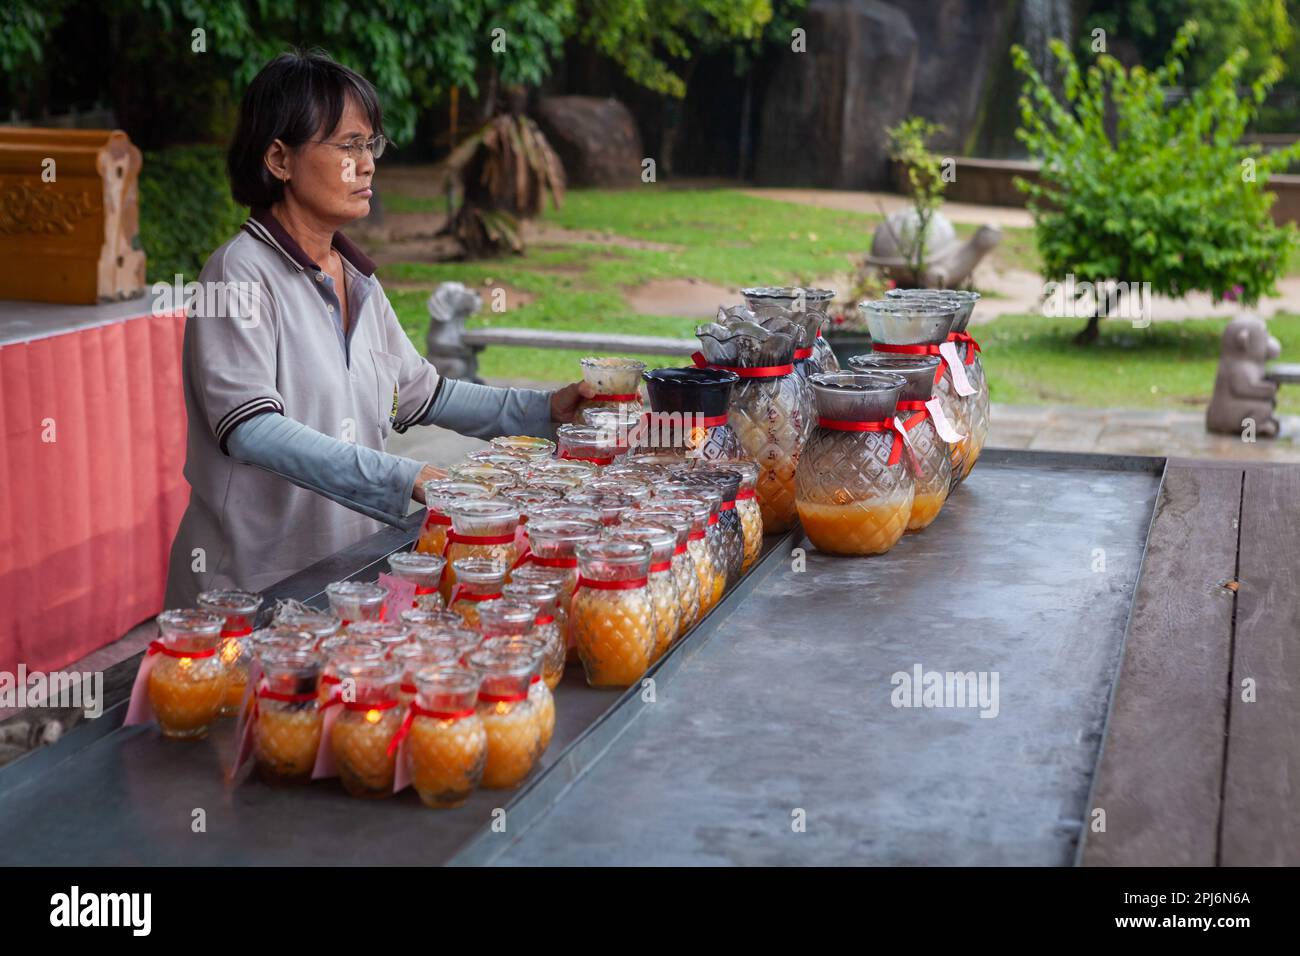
[(261, 224)]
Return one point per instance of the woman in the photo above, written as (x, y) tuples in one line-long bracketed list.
[(296, 369)]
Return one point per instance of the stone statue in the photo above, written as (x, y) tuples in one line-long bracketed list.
[(1241, 392), (450, 307), (947, 263)]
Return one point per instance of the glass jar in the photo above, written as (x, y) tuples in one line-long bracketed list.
[(319, 624), (768, 408), (612, 506), (187, 685), (616, 383), (933, 474), (571, 471), (447, 747), (597, 446), (366, 726), (727, 529), (561, 579), (531, 499), (415, 656), (479, 529), (339, 651), (917, 326), (513, 726), (539, 692), (353, 602), (477, 580), (553, 544), (713, 538), (855, 486), (437, 496), (498, 479), (612, 617), (238, 608), (516, 466), (698, 511), (422, 570), (280, 637), (683, 566), (688, 415), (811, 306), (542, 597), (567, 511), (287, 717), (663, 583), (524, 446), (751, 517), (387, 634), (635, 488)]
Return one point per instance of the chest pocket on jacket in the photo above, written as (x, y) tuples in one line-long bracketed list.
[(387, 369)]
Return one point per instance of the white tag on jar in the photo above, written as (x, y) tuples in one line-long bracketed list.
[(910, 459), (941, 423), (956, 369)]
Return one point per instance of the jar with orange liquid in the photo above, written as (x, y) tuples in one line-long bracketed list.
[(855, 483), (612, 618), (422, 570), (553, 544), (238, 608), (539, 692), (596, 446), (933, 472), (542, 598), (514, 731), (688, 415), (353, 602), (729, 535), (710, 579), (663, 584), (477, 580), (413, 657), (366, 726), (187, 684), (340, 651), (713, 540), (685, 579), (524, 446), (287, 718), (617, 386), (920, 325), (447, 746), (438, 494), (767, 409), (480, 529)]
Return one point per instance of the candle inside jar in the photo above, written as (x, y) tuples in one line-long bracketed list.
[(615, 635), (187, 693), (514, 742), (285, 741), (447, 758)]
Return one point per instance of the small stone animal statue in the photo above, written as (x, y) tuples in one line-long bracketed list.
[(947, 264), (449, 307), (1241, 392)]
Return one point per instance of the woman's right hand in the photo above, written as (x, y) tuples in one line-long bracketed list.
[(427, 473)]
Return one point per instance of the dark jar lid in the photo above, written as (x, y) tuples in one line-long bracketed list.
[(704, 391)]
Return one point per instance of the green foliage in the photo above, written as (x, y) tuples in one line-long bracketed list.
[(185, 209), (1139, 189), (907, 144)]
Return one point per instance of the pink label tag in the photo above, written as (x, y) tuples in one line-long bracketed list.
[(912, 463), (325, 766), (401, 596), (941, 423), (140, 711), (401, 773), (956, 369), (243, 767)]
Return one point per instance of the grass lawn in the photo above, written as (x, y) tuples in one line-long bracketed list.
[(724, 237)]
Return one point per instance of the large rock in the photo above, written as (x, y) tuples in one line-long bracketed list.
[(826, 110), (595, 138)]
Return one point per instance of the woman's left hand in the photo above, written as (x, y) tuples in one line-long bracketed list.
[(564, 401)]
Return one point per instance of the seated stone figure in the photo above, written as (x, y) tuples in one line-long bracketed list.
[(1241, 392)]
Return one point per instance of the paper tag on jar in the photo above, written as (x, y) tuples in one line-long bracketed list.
[(401, 596), (243, 767), (325, 766), (941, 423), (956, 368)]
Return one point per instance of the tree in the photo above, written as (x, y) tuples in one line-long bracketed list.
[(1172, 196)]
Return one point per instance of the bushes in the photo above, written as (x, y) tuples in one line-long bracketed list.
[(185, 209)]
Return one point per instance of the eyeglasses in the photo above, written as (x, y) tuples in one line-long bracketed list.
[(354, 148)]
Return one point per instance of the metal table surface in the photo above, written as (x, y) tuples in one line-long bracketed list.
[(775, 712)]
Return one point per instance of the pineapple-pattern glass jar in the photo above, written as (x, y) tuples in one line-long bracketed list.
[(663, 583), (479, 529), (612, 618), (612, 506), (524, 446), (553, 545), (238, 608), (585, 443), (768, 407), (810, 306), (187, 685), (319, 624), (539, 692), (729, 534), (354, 601), (707, 574), (751, 517), (287, 720), (447, 746), (933, 473), (568, 470), (415, 656), (478, 472), (387, 634), (855, 486), (919, 326), (339, 651), (461, 640), (422, 570), (688, 414), (616, 383), (531, 499), (714, 539), (543, 597), (438, 495), (513, 726), (477, 580), (366, 726), (683, 567)]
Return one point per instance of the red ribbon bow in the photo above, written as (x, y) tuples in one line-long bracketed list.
[(884, 425), (971, 345)]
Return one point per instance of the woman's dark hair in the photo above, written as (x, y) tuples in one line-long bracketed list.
[(296, 97)]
